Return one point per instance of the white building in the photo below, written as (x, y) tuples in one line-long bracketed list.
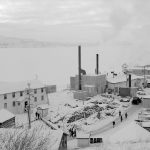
[(83, 139), (13, 96)]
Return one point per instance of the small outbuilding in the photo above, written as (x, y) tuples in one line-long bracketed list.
[(7, 119), (43, 110), (83, 139)]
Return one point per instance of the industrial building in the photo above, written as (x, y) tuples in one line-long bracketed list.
[(114, 83), (136, 70), (92, 84), (87, 85), (15, 96)]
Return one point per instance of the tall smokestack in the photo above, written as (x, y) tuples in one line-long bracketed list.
[(129, 80), (97, 64), (79, 61)]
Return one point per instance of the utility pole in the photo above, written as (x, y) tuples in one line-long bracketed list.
[(144, 77), (29, 114)]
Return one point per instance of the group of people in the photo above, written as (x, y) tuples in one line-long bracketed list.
[(121, 118), (72, 132), (37, 115)]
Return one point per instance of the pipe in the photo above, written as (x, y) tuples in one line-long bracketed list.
[(79, 65), (97, 64), (129, 80)]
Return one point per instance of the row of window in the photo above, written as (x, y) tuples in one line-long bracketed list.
[(21, 93), (14, 103), (35, 98)]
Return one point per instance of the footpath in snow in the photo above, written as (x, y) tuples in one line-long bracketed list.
[(132, 116), (106, 129)]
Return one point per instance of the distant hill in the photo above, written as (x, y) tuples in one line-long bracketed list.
[(13, 42)]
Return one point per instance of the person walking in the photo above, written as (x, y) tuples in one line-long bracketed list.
[(36, 115), (74, 132), (70, 132), (121, 118), (113, 124), (126, 115), (119, 113)]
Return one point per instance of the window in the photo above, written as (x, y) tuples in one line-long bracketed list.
[(42, 90), (5, 105), (42, 97), (14, 104), (13, 94), (35, 91), (35, 99), (18, 103), (5, 96), (21, 93)]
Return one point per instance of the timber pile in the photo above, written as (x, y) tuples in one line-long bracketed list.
[(86, 112)]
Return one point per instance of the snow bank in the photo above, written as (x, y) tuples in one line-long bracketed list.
[(130, 133)]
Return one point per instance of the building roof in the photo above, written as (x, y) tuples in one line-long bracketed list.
[(56, 136), (93, 75), (81, 135), (9, 87), (122, 78), (5, 115)]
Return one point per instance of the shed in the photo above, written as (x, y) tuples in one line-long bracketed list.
[(127, 91), (7, 119), (83, 139), (146, 101), (43, 110)]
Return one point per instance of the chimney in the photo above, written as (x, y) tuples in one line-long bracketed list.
[(129, 80), (79, 63), (97, 64)]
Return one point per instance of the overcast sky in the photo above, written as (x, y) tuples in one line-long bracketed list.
[(119, 30)]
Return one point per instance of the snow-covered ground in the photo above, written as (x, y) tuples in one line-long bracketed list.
[(65, 111), (63, 108), (125, 146)]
